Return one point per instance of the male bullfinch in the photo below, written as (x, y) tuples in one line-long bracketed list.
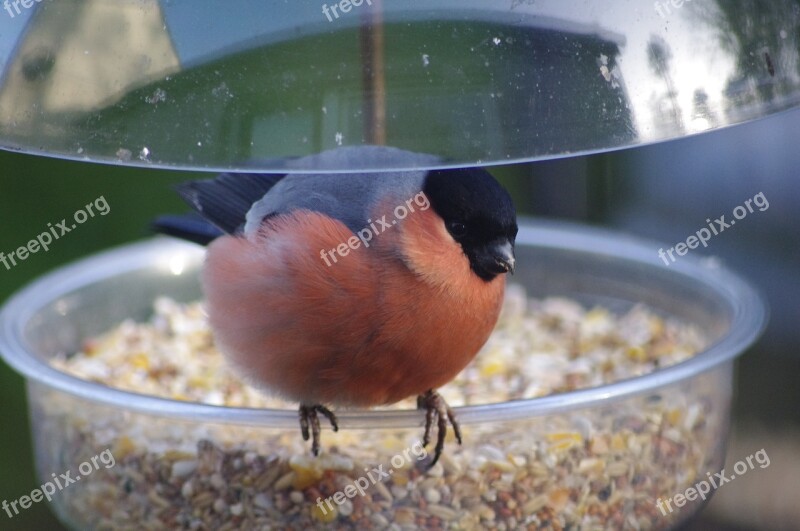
[(356, 289)]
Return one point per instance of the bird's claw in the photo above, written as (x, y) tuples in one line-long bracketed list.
[(433, 404), (309, 418)]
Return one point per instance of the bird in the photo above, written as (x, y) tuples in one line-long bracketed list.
[(352, 290)]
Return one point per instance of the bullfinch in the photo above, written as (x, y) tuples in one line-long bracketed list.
[(356, 289)]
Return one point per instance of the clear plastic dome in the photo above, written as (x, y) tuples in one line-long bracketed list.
[(249, 84)]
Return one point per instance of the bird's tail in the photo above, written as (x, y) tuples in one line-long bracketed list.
[(222, 204)]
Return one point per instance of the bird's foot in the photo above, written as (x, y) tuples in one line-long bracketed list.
[(309, 417), (433, 404)]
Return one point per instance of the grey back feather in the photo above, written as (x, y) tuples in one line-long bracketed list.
[(347, 197)]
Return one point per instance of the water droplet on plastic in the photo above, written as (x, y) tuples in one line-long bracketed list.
[(222, 91), (157, 96)]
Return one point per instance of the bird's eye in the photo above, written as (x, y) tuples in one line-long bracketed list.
[(457, 228)]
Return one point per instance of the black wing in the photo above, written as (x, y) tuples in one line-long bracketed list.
[(221, 202)]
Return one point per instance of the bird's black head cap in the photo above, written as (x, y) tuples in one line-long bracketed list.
[(478, 214)]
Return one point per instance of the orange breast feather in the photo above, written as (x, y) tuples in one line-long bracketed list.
[(377, 326)]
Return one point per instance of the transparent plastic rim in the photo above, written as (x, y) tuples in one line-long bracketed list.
[(749, 316)]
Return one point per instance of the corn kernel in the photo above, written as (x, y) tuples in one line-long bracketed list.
[(636, 353), (596, 314), (492, 368), (558, 499), (571, 436), (140, 361), (325, 516), (305, 477), (123, 447), (674, 416)]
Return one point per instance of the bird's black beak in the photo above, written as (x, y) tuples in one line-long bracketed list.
[(503, 254), (495, 259)]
